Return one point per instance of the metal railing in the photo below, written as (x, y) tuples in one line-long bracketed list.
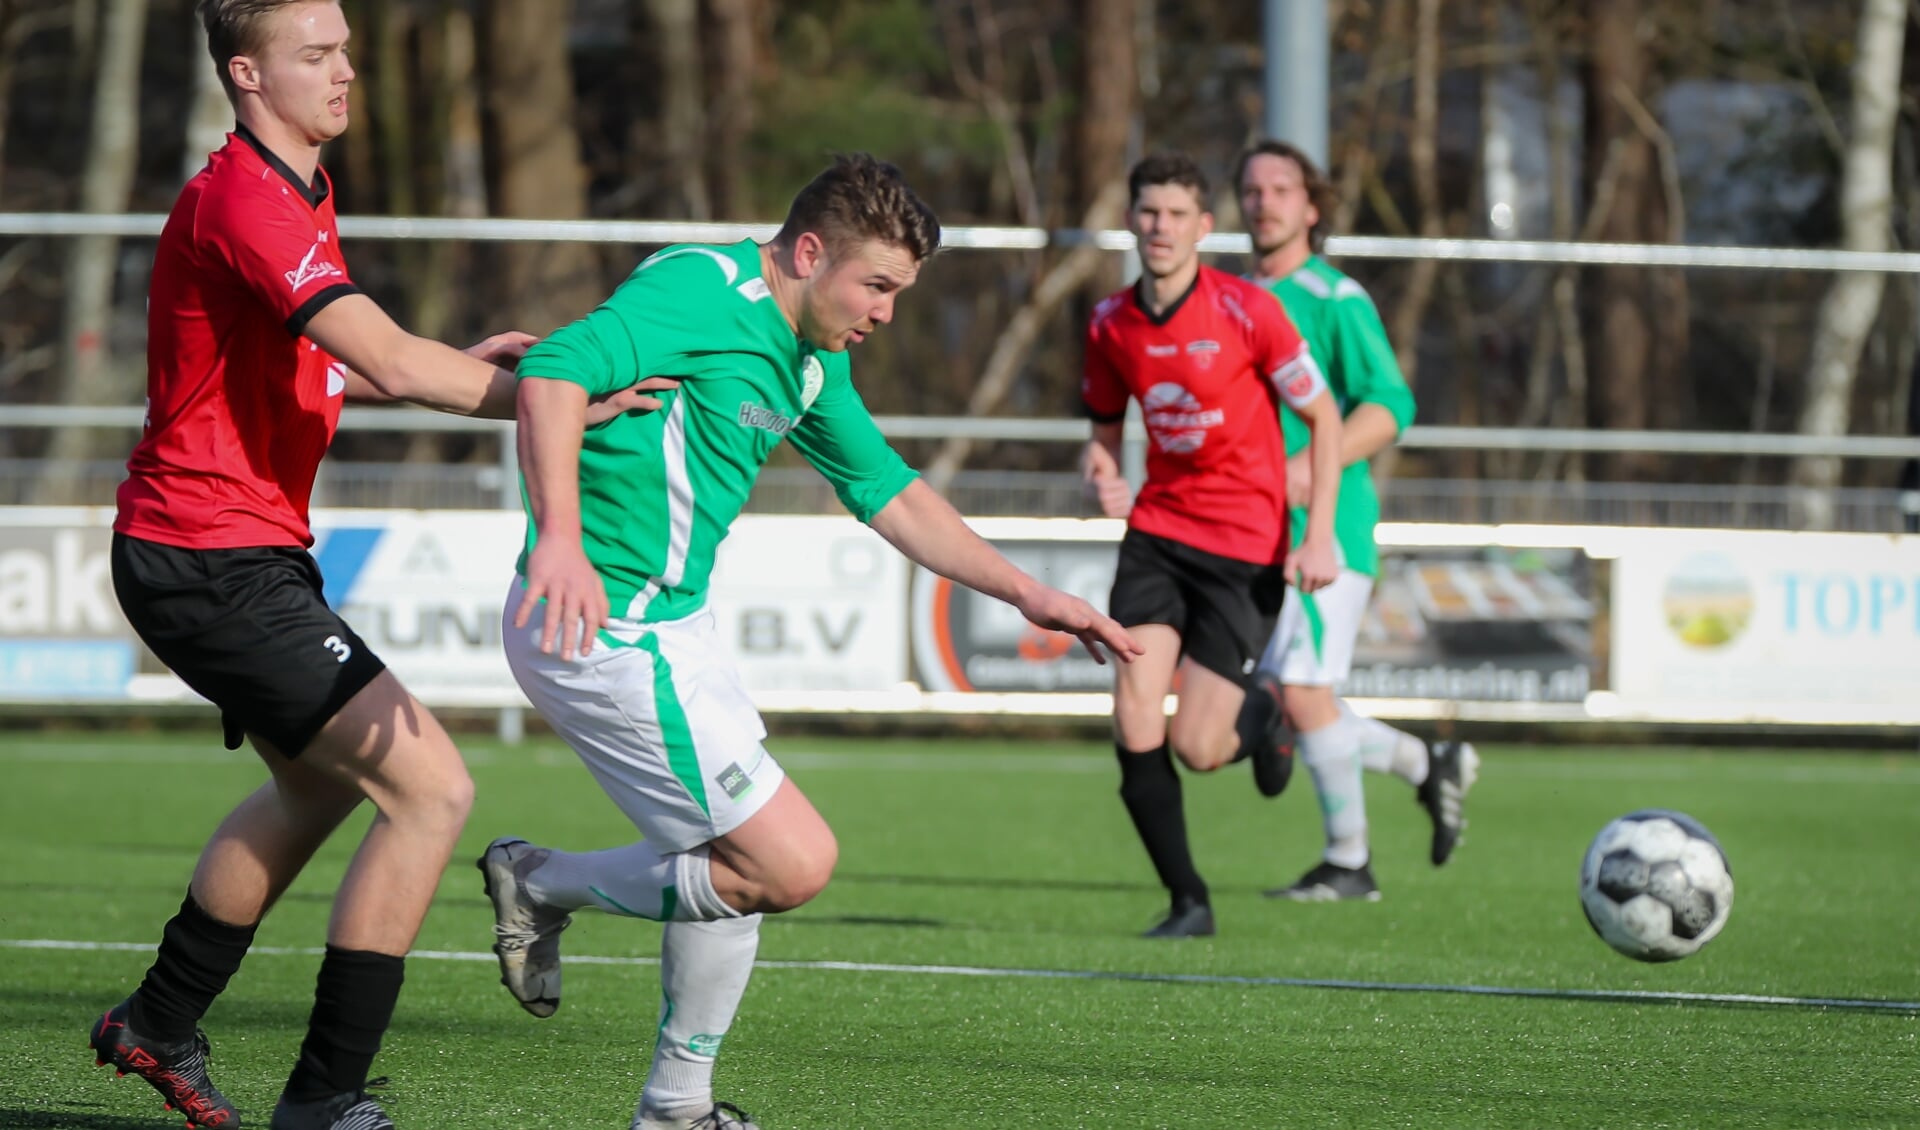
[(993, 238)]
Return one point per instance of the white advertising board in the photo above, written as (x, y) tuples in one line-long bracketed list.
[(811, 604), (1768, 626), (803, 603)]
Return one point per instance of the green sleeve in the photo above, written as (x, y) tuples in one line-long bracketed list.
[(839, 438), (638, 332), (1366, 358)]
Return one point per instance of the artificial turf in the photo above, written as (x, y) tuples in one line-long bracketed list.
[(975, 856)]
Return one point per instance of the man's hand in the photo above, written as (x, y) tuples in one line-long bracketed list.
[(558, 570), (1299, 480), (1056, 611), (600, 409), (504, 350), (1312, 566), (1104, 483)]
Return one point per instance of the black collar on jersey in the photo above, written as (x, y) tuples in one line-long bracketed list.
[(1172, 308), (314, 194)]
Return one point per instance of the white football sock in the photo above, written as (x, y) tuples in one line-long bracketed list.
[(635, 881), (1332, 754), (704, 967), (1384, 749)]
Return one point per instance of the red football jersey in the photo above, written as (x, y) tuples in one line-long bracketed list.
[(240, 405), (1209, 375)]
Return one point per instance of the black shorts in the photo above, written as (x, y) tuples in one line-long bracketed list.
[(249, 630), (1223, 609)]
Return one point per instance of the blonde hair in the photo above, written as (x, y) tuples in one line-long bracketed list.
[(238, 27)]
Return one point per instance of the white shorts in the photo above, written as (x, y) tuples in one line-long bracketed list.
[(1312, 645), (657, 713)]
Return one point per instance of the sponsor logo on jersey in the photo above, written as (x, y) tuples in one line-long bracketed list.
[(311, 268), (766, 419), (1176, 419), (1230, 303), (1163, 351), (734, 781)]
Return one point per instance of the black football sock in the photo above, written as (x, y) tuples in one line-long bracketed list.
[(1150, 788), (352, 1006), (198, 954)]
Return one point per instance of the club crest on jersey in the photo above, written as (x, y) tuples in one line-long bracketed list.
[(813, 378), (1203, 353), (309, 270), (1176, 419)]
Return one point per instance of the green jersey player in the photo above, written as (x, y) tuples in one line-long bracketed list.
[(1284, 200), (623, 659)]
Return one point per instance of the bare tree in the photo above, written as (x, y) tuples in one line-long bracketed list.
[(1410, 312), (1853, 302), (210, 115), (1109, 110), (18, 20), (1639, 317), (732, 45), (87, 374), (535, 156), (1023, 330), (683, 111)]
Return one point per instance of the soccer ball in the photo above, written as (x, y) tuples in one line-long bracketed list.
[(1655, 885)]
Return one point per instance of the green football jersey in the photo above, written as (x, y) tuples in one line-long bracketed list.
[(659, 491), (1335, 316)]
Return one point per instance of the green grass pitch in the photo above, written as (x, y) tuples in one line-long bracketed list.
[(1013, 856)]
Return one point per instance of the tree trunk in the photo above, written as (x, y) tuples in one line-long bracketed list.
[(537, 169), (1103, 131), (1638, 316), (1622, 334), (211, 115), (735, 63), (1410, 313), (87, 373), (1853, 301), (683, 110)]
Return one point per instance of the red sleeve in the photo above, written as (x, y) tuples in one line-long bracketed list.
[(1280, 352), (279, 252), (1101, 390)]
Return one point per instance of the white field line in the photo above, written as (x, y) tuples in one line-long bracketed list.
[(1581, 767), (1615, 996)]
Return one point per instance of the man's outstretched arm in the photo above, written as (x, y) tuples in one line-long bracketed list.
[(922, 525)]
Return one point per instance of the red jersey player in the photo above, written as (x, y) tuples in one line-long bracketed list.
[(1205, 560), (256, 334)]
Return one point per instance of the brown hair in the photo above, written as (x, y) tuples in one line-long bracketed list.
[(1320, 191), (857, 198), (1168, 168), (238, 27)]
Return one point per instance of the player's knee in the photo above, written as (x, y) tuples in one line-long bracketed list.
[(439, 797), (801, 876), (1199, 748), (1139, 728), (1310, 708)]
